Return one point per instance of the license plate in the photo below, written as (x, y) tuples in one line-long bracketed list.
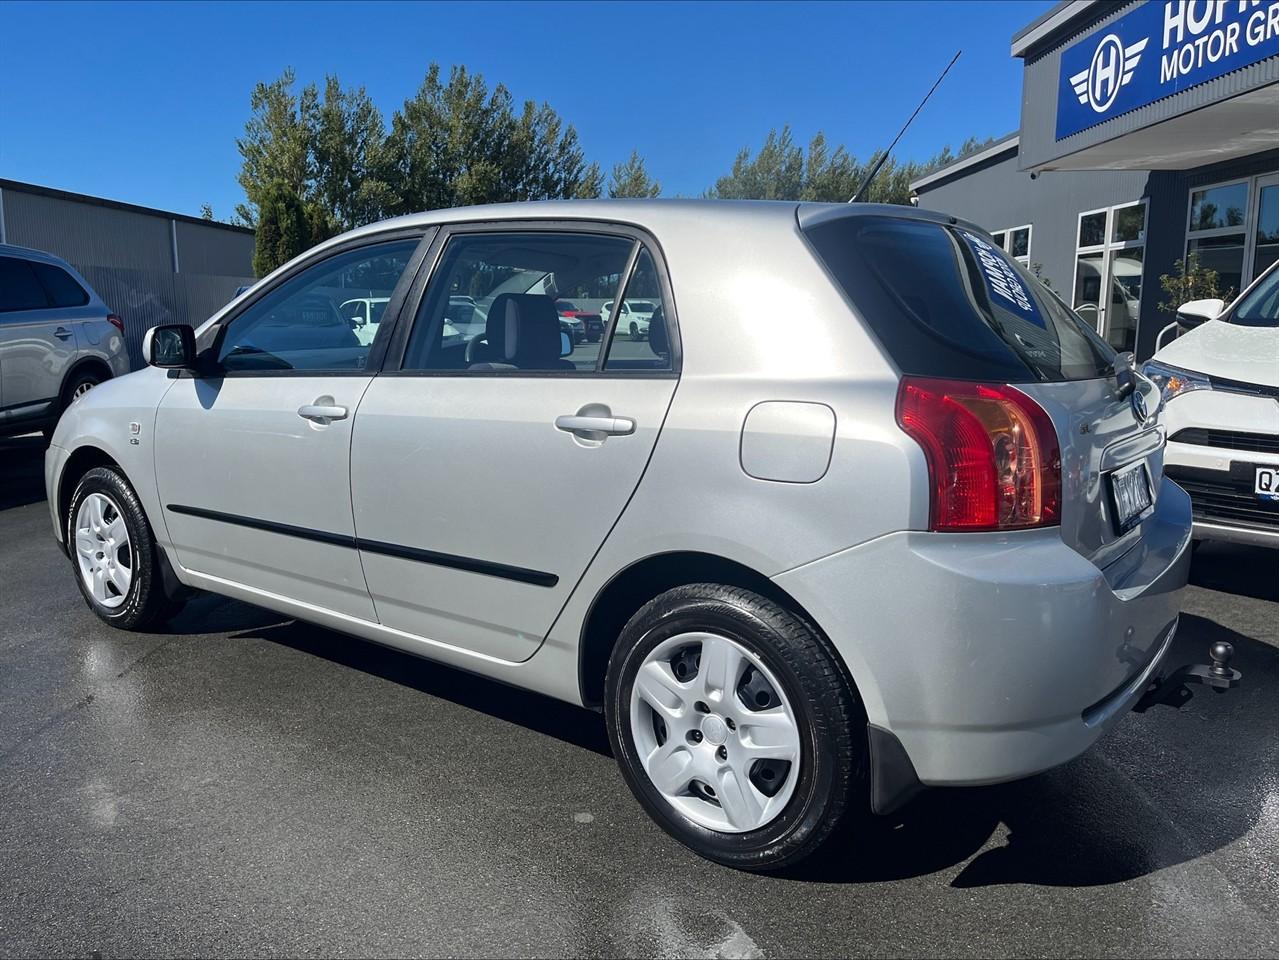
[(1130, 494), (1266, 485)]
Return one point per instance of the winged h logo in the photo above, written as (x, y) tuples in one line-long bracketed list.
[(1111, 68)]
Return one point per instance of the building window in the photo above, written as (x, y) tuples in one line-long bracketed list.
[(1216, 232), (1234, 228), (1016, 242), (1109, 254)]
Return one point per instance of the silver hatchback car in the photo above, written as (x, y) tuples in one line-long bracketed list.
[(57, 339), (926, 540)]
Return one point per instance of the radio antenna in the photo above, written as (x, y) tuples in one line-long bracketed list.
[(887, 153)]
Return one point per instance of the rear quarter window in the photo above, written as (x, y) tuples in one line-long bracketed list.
[(945, 301), (61, 287)]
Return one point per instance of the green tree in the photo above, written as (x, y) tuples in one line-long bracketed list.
[(347, 144), (1191, 281), (630, 179), (459, 143), (206, 211), (276, 146), (784, 170), (283, 230)]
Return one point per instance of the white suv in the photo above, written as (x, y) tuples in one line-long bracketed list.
[(57, 339), (1220, 382)]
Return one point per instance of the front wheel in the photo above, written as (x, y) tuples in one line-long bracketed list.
[(734, 726), (113, 552)]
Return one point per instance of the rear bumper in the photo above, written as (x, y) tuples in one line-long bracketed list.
[(991, 657)]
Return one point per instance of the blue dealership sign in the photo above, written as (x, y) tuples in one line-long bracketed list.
[(1162, 47)]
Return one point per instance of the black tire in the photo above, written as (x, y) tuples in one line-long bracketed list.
[(635, 331), (145, 602), (832, 785)]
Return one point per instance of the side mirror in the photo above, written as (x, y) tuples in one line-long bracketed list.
[(1197, 312), (169, 347), (566, 344)]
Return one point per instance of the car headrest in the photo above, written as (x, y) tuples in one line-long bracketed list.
[(523, 329), (658, 341)]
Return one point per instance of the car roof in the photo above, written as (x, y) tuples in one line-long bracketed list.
[(30, 253), (654, 214)]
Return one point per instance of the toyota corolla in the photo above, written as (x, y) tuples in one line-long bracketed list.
[(927, 542)]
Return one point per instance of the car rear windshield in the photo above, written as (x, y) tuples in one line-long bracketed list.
[(945, 301)]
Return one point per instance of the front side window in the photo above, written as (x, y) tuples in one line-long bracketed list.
[(19, 288), (491, 304), (307, 323)]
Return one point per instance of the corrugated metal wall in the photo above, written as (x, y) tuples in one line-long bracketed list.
[(128, 257)]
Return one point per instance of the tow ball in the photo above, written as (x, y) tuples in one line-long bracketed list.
[(1174, 689)]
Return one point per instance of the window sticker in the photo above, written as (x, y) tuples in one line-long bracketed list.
[(1003, 283)]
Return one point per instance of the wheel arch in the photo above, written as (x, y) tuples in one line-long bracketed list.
[(81, 461), (628, 590), (96, 364)]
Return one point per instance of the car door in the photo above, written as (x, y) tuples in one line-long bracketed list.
[(487, 473), (37, 347), (253, 456)]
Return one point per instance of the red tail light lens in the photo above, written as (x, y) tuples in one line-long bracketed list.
[(993, 458), (116, 322)]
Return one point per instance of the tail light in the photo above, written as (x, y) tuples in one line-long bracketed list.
[(992, 452), (115, 321)]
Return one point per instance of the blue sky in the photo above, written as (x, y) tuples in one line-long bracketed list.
[(143, 102)]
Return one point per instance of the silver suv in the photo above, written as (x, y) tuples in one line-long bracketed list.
[(925, 540), (57, 340)]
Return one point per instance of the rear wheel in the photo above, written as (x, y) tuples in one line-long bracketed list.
[(734, 726), (113, 552), (635, 331)]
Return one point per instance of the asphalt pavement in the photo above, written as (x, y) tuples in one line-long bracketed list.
[(238, 784)]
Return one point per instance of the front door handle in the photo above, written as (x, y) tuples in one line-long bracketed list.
[(62, 333), (322, 413), (596, 428)]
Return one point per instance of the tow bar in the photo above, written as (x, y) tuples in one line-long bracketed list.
[(1174, 689)]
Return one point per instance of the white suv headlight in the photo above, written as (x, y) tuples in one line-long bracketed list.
[(1173, 381)]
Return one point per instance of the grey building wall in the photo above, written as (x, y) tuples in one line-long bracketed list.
[(1041, 83), (149, 266)]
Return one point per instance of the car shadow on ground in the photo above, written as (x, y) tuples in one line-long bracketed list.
[(1240, 570), (21, 471), (563, 721)]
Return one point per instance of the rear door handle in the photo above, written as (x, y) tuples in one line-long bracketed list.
[(62, 333), (322, 413), (595, 428)]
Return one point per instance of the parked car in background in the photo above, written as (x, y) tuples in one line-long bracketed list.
[(633, 318), (1220, 384), (364, 314), (592, 326), (929, 543), (57, 339)]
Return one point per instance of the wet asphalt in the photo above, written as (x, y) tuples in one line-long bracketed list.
[(241, 785)]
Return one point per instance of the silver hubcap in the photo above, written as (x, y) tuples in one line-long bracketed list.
[(80, 390), (714, 732), (102, 550)]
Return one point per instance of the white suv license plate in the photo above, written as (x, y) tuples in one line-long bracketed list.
[(1266, 485), (1130, 492)]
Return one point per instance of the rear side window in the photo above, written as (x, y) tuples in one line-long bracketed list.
[(947, 302), (19, 288), (61, 287)]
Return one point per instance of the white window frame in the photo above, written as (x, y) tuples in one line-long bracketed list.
[(1248, 228), (1008, 239), (1108, 246)]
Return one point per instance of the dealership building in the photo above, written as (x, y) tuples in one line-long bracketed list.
[(149, 266), (1149, 131)]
